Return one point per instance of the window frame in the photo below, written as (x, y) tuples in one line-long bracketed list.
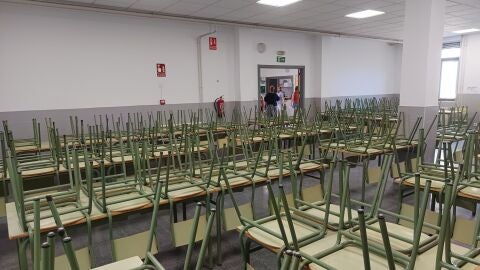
[(457, 77)]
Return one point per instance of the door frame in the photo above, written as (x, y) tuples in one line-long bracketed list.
[(301, 80)]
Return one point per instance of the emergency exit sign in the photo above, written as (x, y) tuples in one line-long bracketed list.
[(280, 59)]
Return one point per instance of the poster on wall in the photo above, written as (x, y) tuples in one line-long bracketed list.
[(161, 70), (212, 43)]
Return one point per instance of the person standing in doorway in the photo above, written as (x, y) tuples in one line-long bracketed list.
[(271, 99), (281, 100), (262, 103), (296, 98)]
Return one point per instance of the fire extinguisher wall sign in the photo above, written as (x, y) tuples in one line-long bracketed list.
[(212, 43), (161, 70)]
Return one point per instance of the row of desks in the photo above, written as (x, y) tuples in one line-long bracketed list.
[(15, 230), (50, 171)]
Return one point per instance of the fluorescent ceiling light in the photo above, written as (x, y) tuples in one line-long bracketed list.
[(365, 14), (464, 31), (277, 3)]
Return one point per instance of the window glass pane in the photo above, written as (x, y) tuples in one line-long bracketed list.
[(451, 53), (448, 82)]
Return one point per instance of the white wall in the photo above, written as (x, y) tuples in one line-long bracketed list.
[(58, 58), (54, 58), (470, 63), (352, 67)]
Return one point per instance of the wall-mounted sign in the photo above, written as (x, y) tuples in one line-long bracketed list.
[(280, 59), (161, 70), (212, 43), (162, 101), (263, 89)]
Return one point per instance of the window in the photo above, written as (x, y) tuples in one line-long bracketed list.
[(449, 70)]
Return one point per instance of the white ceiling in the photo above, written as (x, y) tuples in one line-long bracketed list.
[(321, 15)]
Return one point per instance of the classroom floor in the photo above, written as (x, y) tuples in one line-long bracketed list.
[(173, 258)]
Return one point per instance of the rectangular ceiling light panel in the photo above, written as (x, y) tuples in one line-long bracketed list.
[(365, 14), (277, 3), (465, 31)]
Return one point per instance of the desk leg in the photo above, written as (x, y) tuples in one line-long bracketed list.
[(22, 253), (364, 176), (175, 219), (220, 201), (184, 209)]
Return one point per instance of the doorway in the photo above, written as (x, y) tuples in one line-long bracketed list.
[(285, 78)]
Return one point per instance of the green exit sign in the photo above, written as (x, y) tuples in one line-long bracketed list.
[(280, 59)]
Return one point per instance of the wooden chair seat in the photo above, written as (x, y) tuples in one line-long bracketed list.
[(333, 144), (285, 136), (165, 147), (107, 141), (97, 186), (452, 136), (310, 166), (131, 204), (197, 148), (33, 162), (255, 139), (350, 257), (69, 219), (160, 153), (184, 191), (81, 165), (396, 229), (333, 220), (327, 242), (273, 243), (273, 172), (398, 147), (259, 179), (26, 148), (470, 192), (426, 260), (206, 171), (363, 149), (220, 128), (239, 164), (235, 180), (127, 158), (265, 158), (436, 185), (38, 172)]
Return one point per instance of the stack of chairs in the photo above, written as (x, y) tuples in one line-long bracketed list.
[(29, 155), (73, 207)]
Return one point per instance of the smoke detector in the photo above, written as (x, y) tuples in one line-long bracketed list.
[(261, 47)]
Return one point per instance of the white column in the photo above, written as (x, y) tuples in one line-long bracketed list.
[(420, 77), (422, 44)]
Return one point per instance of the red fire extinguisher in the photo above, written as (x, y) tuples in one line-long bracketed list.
[(219, 107)]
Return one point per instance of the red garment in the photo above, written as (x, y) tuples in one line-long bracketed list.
[(296, 97), (220, 103)]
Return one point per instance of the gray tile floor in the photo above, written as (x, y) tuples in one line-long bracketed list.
[(173, 258)]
